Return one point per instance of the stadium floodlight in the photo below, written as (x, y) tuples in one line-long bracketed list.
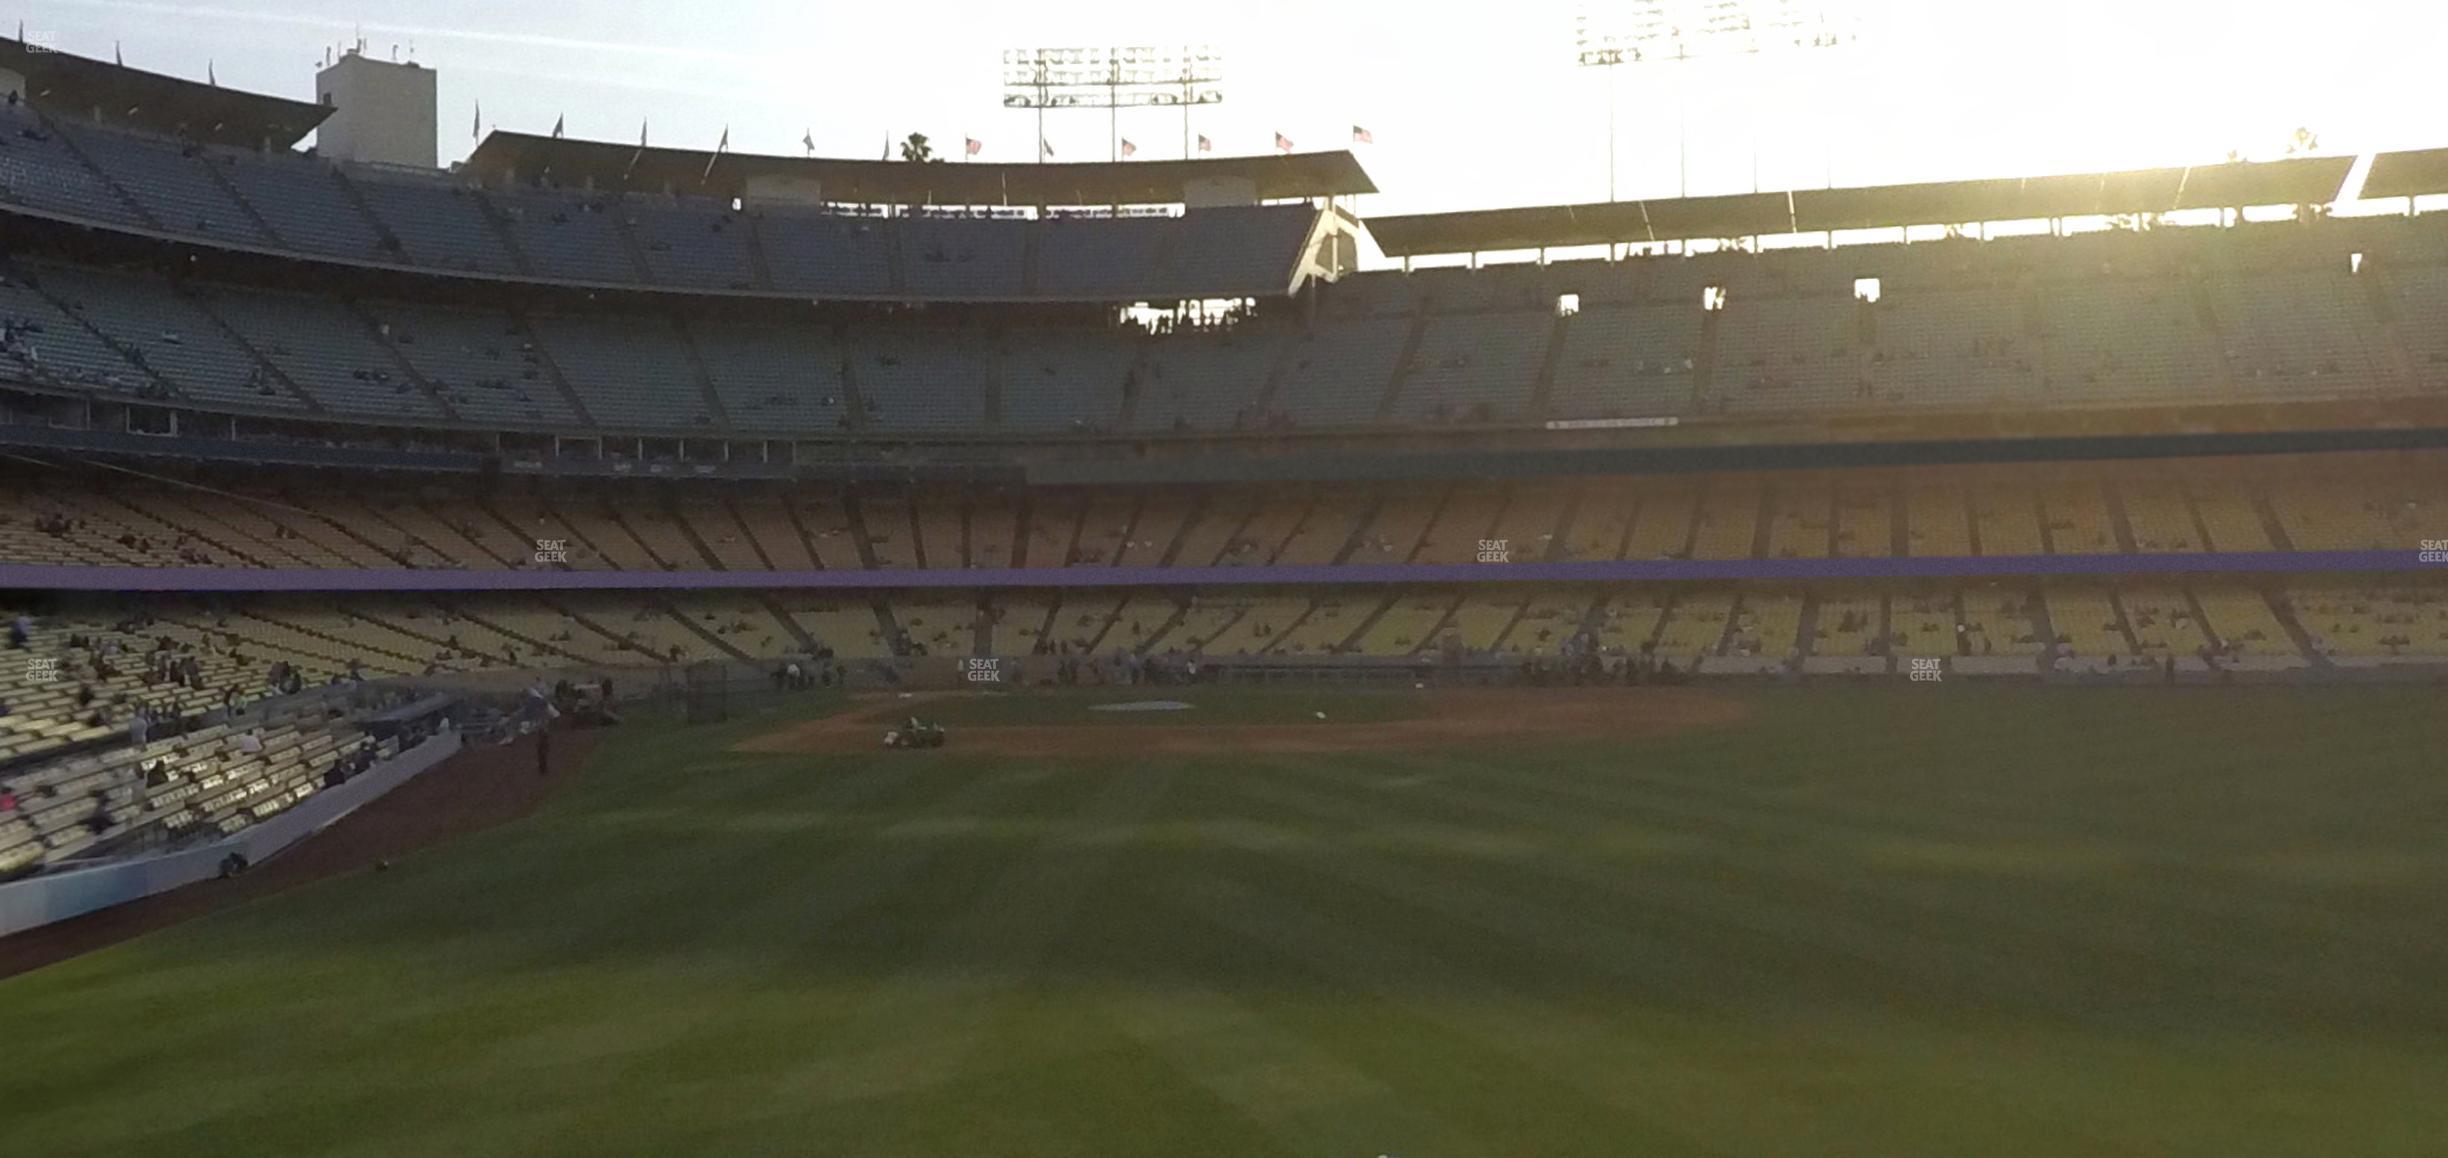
[(1112, 79), (1610, 35)]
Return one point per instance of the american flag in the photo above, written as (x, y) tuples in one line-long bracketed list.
[(1361, 136), (970, 146), (1128, 149), (1283, 144), (1205, 145)]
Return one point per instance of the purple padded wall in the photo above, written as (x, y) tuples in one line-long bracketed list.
[(232, 579)]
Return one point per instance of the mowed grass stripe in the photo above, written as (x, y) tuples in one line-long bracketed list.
[(589, 901), (559, 962), (778, 962), (1972, 923), (1902, 749), (1865, 920), (1303, 1096), (1758, 945), (2147, 869), (750, 921), (2127, 898), (2108, 959), (1480, 1042), (916, 1027), (1698, 1078)]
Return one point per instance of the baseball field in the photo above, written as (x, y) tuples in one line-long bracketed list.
[(1891, 921)]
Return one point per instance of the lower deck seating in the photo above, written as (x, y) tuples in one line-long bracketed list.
[(2360, 501), (2212, 619), (2368, 622), (216, 771)]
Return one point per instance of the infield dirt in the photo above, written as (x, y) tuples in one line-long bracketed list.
[(1451, 717)]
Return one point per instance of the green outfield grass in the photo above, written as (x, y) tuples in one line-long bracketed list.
[(1885, 921)]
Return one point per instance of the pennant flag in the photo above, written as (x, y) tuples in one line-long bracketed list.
[(970, 146), (720, 147), (635, 157), (1205, 145), (560, 124), (1283, 144), (476, 123), (1046, 145), (1129, 149), (117, 59), (1361, 136), (888, 146), (21, 32), (807, 141), (209, 78)]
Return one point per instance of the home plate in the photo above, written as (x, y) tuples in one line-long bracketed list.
[(1142, 706)]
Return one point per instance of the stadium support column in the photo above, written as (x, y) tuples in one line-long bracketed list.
[(1683, 141), (1610, 75)]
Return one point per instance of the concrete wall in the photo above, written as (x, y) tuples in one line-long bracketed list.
[(782, 189), (1208, 192), (385, 112)]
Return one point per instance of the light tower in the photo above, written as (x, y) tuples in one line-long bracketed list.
[(1112, 79), (1610, 36)]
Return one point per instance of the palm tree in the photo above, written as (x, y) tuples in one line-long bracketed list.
[(916, 148)]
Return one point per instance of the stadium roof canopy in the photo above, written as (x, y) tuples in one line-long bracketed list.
[(2407, 174), (618, 165), (2296, 181), (79, 86)]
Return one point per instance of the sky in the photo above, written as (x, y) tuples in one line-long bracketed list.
[(1471, 105)]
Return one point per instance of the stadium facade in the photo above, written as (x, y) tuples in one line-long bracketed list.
[(588, 406)]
